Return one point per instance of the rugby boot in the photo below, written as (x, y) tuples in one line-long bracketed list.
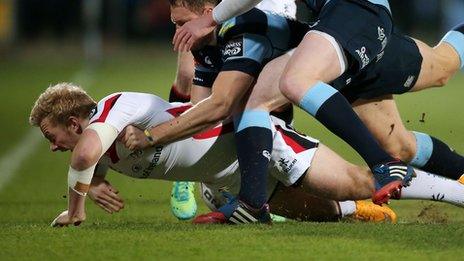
[(183, 204), (461, 180), (244, 214), (236, 212), (277, 218), (390, 177), (369, 212), (214, 217)]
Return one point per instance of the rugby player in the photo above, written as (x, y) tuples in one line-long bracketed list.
[(71, 120), (347, 37), (182, 201)]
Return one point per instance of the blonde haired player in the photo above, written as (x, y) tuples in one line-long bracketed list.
[(71, 120)]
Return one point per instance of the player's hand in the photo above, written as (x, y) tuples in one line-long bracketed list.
[(134, 138), (105, 195), (64, 219), (191, 32)]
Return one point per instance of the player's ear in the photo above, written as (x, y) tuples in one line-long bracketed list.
[(207, 10), (74, 124)]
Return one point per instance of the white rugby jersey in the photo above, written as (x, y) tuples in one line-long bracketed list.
[(208, 157), (285, 8)]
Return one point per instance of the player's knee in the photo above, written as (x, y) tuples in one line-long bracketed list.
[(444, 78), (288, 87)]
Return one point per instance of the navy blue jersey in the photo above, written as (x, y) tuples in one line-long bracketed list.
[(246, 43)]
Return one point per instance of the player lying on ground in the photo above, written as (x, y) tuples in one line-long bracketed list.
[(62, 113), (183, 204)]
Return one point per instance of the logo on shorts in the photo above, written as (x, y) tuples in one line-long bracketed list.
[(383, 41), (208, 60), (286, 165), (364, 58), (233, 48), (382, 37), (409, 81), (266, 154)]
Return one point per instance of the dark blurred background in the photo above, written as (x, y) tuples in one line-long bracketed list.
[(26, 21)]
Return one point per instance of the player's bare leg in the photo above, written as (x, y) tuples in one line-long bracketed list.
[(382, 118), (296, 204), (338, 180), (419, 149), (439, 64)]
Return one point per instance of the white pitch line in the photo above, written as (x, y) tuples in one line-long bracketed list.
[(13, 160)]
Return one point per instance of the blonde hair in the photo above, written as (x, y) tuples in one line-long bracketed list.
[(59, 102)]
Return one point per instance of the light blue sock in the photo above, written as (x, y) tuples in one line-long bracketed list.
[(315, 97), (455, 38), (424, 151)]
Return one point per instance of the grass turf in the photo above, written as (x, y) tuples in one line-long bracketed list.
[(145, 229)]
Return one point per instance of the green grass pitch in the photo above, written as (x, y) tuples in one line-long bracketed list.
[(145, 229)]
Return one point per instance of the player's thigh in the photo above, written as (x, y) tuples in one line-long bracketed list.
[(266, 93), (438, 65), (315, 59), (331, 176), (296, 204), (382, 118)]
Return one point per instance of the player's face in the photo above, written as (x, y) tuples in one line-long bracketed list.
[(61, 138), (181, 15)]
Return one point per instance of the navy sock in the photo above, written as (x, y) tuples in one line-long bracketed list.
[(254, 146), (455, 37), (332, 110), (436, 157), (176, 96)]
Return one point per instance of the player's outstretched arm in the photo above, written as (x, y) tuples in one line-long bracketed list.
[(95, 140), (194, 30), (228, 90)]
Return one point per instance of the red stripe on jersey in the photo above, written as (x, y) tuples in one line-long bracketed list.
[(107, 107), (297, 148), (177, 111), (215, 132), (112, 153)]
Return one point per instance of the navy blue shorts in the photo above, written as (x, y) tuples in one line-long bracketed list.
[(361, 28), (395, 73)]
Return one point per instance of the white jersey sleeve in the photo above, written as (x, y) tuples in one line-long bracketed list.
[(227, 9), (286, 8), (128, 108)]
